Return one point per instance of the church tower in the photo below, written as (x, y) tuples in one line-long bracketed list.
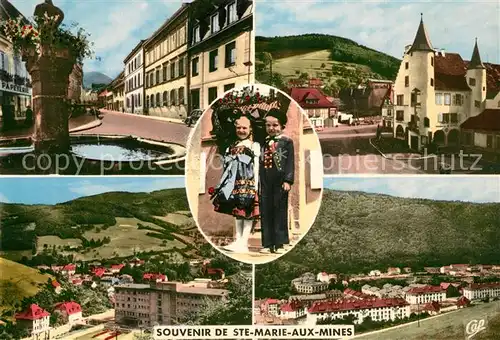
[(476, 79), (414, 90)]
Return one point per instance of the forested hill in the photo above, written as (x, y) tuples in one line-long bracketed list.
[(356, 232), (342, 50)]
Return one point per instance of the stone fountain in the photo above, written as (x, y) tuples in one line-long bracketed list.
[(49, 73), (50, 68)]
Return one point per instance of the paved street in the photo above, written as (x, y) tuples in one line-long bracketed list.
[(353, 154), (117, 123), (350, 152)]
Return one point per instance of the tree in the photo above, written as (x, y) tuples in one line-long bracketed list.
[(236, 311), (267, 58)]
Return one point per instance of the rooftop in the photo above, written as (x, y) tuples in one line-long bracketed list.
[(344, 305)]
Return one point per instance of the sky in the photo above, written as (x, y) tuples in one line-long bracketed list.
[(468, 189), (116, 26), (50, 190), (389, 25)]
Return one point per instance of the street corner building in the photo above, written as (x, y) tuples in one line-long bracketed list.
[(221, 49), (442, 99), (205, 169)]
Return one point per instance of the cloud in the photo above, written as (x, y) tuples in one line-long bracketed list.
[(388, 26), (471, 188)]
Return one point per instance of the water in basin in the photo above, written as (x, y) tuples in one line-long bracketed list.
[(116, 153)]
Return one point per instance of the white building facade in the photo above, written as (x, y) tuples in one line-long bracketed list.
[(15, 85), (434, 93), (376, 309), (482, 290), (221, 50), (426, 294), (134, 80)]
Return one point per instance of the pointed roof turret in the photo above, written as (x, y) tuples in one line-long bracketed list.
[(421, 42), (475, 61)]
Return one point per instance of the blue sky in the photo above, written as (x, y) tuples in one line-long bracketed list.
[(49, 190), (389, 25), (116, 26), (468, 188)]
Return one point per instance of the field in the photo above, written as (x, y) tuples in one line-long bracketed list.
[(16, 255), (179, 219), (446, 326), (126, 239), (17, 282), (50, 241), (310, 63)]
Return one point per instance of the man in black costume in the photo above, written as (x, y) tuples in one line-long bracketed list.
[(276, 178)]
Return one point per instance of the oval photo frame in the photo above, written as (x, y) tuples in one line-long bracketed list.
[(254, 220)]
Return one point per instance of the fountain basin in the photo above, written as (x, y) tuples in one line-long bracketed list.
[(101, 154)]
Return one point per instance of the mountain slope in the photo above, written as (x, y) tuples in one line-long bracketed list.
[(341, 58), (356, 232), (154, 221), (18, 281), (90, 78)]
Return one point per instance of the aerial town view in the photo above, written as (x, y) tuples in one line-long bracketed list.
[(110, 258), (429, 264), (114, 94), (420, 99)]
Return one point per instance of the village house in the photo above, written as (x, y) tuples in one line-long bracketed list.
[(351, 293), (136, 262), (134, 79), (57, 286), (116, 268), (438, 93), (376, 309), (315, 103), (292, 310), (420, 295), (154, 277), (367, 99), (36, 320), (323, 277), (118, 89), (478, 291), (393, 271), (270, 306), (375, 273), (69, 269), (166, 80), (70, 312), (220, 49)]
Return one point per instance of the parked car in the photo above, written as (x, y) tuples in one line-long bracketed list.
[(193, 117)]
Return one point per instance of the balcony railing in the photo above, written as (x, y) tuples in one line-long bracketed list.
[(18, 80)]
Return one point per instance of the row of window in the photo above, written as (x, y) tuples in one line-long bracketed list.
[(171, 43), (133, 83), (215, 22), (213, 65), (443, 118), (134, 64), (176, 98), (440, 99), (177, 69), (5, 64)]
